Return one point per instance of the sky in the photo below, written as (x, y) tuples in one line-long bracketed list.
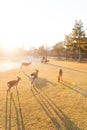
[(32, 23)]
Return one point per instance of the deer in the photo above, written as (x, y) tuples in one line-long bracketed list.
[(13, 83), (60, 74), (33, 76), (25, 64)]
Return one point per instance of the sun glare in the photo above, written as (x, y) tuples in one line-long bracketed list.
[(8, 48)]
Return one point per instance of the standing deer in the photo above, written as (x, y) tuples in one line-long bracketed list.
[(33, 76), (13, 83)]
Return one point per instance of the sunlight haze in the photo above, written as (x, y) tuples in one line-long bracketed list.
[(32, 23)]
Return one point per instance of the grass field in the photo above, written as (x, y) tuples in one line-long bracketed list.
[(50, 105)]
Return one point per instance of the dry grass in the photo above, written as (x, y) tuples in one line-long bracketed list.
[(50, 105)]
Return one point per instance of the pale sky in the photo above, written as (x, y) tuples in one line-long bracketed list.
[(33, 23)]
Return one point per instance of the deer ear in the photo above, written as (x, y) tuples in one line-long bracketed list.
[(18, 77), (37, 69)]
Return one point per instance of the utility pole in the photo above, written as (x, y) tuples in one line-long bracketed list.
[(46, 50)]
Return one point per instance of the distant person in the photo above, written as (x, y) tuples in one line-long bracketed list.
[(44, 60), (60, 74)]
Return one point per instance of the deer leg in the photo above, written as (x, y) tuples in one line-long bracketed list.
[(58, 78), (8, 89), (61, 78)]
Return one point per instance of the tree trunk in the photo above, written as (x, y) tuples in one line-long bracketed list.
[(80, 54)]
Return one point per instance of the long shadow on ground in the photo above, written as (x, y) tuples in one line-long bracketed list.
[(42, 82), (67, 68), (10, 105), (56, 115), (74, 88)]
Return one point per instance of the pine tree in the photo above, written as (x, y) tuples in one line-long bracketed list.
[(77, 39)]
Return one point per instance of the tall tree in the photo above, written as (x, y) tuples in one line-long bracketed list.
[(77, 39), (42, 51), (59, 49)]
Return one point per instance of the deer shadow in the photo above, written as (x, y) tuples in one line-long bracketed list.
[(43, 82), (53, 111), (10, 105)]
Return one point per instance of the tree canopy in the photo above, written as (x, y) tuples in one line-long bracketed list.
[(77, 38)]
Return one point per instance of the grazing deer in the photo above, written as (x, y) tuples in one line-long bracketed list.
[(25, 64), (60, 74), (13, 83), (33, 76)]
